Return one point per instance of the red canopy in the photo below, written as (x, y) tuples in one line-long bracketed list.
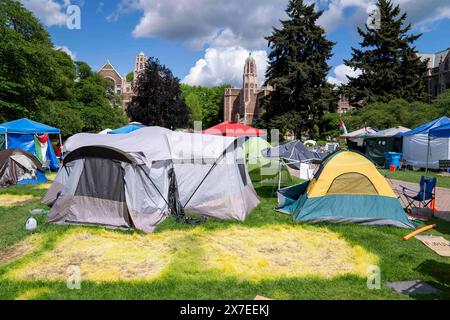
[(233, 129)]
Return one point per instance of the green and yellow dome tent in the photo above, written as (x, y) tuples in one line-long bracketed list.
[(260, 168), (347, 188)]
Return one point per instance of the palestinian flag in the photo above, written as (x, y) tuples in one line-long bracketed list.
[(342, 127), (41, 145)]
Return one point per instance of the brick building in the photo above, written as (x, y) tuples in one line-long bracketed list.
[(438, 74), (121, 85), (242, 104)]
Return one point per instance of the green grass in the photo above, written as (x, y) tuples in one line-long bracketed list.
[(414, 176), (183, 279)]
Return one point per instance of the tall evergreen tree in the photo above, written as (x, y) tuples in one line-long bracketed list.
[(297, 70), (158, 100), (388, 61)]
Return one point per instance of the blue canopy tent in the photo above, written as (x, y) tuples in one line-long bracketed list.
[(127, 128), (20, 134), (2, 138)]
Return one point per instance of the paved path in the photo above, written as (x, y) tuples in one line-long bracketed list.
[(442, 197)]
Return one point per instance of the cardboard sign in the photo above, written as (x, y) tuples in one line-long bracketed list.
[(438, 244)]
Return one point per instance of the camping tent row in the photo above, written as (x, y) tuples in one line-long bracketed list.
[(136, 180), (374, 144), (347, 188), (32, 137)]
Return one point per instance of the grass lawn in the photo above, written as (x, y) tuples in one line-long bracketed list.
[(414, 176), (266, 255)]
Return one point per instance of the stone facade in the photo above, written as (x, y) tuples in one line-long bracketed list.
[(242, 104), (121, 85), (438, 74), (343, 105)]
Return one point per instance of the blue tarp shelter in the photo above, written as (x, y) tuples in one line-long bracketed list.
[(127, 128), (419, 152), (440, 132), (20, 135)]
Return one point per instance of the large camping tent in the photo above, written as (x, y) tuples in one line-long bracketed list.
[(347, 188), (32, 137), (415, 145), (127, 128), (355, 139), (234, 129), (19, 167), (138, 179), (294, 153), (378, 143), (260, 168)]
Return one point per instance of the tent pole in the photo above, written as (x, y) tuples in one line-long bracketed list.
[(6, 140), (428, 157), (279, 174)]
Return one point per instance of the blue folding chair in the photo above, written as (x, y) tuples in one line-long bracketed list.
[(424, 196)]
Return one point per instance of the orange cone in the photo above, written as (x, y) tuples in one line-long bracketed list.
[(432, 205)]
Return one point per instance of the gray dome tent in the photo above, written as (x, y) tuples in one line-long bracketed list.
[(136, 180)]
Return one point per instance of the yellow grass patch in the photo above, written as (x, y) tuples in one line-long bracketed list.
[(31, 294), (283, 251), (10, 200), (103, 256), (245, 253), (43, 186), (21, 249)]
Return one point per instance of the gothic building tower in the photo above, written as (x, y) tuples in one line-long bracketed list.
[(242, 105)]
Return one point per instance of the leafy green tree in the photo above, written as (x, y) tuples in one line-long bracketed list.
[(61, 114), (388, 61), (130, 76), (157, 99), (298, 68)]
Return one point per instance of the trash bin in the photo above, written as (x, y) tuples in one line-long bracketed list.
[(392, 158)]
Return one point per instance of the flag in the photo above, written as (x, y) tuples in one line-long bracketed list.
[(342, 127), (41, 145)]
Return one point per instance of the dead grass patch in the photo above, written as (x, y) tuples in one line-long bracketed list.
[(11, 200), (103, 256), (283, 251), (20, 249), (31, 294)]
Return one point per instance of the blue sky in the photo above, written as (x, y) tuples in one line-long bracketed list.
[(205, 42)]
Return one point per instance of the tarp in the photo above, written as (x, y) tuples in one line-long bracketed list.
[(127, 128), (440, 132), (425, 128), (347, 188), (27, 126), (415, 145), (3, 130), (294, 152), (233, 129)]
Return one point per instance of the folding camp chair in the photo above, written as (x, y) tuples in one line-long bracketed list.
[(423, 197)]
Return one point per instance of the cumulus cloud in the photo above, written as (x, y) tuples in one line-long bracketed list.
[(65, 49), (225, 65), (340, 74), (50, 12)]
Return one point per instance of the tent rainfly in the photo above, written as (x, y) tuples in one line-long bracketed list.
[(19, 167), (32, 137), (233, 129), (347, 188), (136, 180), (417, 152)]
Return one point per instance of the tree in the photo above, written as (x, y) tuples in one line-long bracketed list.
[(388, 61), (298, 69), (158, 101), (130, 76)]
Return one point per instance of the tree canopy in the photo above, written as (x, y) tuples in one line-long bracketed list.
[(157, 100), (44, 84), (298, 68), (387, 60)]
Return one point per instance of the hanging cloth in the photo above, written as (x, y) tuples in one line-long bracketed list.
[(41, 145)]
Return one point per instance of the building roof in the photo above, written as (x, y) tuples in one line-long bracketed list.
[(435, 58)]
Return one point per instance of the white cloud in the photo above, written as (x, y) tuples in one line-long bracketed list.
[(50, 12), (65, 49), (340, 74), (225, 65)]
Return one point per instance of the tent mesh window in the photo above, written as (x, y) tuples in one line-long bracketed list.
[(352, 183)]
